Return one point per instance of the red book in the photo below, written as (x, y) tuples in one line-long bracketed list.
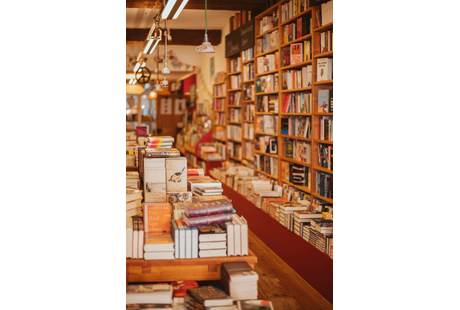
[(286, 103), (299, 28), (230, 21)]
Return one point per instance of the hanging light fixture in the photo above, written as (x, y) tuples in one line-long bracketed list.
[(157, 85), (205, 47), (166, 69)]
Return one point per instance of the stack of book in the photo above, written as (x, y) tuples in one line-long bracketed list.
[(237, 236), (207, 191), (304, 218), (133, 202), (286, 208), (209, 298), (185, 240), (212, 240), (158, 246), (135, 237), (132, 179), (239, 280), (165, 142), (207, 212), (149, 296)]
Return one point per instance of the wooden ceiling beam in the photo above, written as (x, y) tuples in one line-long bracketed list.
[(227, 5), (179, 36)]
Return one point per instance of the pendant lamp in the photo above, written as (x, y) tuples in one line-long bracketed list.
[(206, 47)]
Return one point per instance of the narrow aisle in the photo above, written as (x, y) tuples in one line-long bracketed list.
[(282, 285)]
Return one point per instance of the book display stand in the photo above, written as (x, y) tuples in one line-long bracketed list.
[(197, 269)]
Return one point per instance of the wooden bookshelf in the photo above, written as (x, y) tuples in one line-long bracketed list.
[(218, 111)]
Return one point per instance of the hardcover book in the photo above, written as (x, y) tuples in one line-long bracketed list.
[(161, 139), (239, 272), (162, 153), (175, 197), (210, 233), (206, 208), (154, 180), (207, 220), (296, 53), (323, 101), (176, 174), (210, 296), (157, 217)]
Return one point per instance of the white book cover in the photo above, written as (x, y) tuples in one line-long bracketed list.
[(176, 174), (135, 243), (159, 247), (324, 69), (158, 255), (212, 245), (194, 242), (154, 180), (260, 64), (188, 242), (140, 243), (129, 242), (213, 253), (212, 237), (175, 234), (244, 236), (181, 254), (237, 234), (230, 239)]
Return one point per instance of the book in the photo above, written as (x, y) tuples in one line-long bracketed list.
[(323, 101), (161, 153), (176, 174), (133, 194), (230, 239), (161, 139), (296, 53), (181, 226), (239, 272), (207, 220), (158, 255), (254, 305), (207, 208), (176, 197), (160, 242), (212, 245), (212, 233), (148, 293), (180, 290), (324, 69), (134, 204), (210, 296), (157, 217), (154, 180)]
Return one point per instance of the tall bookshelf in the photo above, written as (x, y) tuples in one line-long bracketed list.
[(234, 109), (248, 102), (311, 32), (219, 117)]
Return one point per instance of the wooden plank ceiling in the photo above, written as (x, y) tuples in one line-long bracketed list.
[(192, 37)]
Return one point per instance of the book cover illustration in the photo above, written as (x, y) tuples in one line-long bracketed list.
[(155, 192), (180, 287), (323, 100), (177, 177), (157, 217), (175, 197), (296, 53), (206, 292)]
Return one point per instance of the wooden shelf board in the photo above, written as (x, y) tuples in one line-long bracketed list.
[(247, 100), (235, 89), (325, 54), (291, 160), (234, 106), (234, 158), (265, 134), (323, 169), (234, 122), (267, 12), (132, 168), (295, 138), (248, 139), (249, 81), (220, 83), (248, 159), (219, 111), (267, 52), (267, 174), (218, 97), (302, 114), (323, 141), (266, 72), (301, 187), (266, 154), (234, 73), (245, 121), (296, 90), (265, 113), (267, 93), (266, 32), (323, 198), (305, 37), (234, 140), (297, 16), (324, 28), (248, 61), (324, 114), (323, 82), (221, 140), (300, 64)]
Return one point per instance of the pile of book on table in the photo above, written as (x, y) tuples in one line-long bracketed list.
[(187, 295), (184, 214), (239, 280)]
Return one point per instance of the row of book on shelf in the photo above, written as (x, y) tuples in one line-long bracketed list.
[(267, 42), (292, 8), (267, 104), (294, 209), (297, 29), (296, 53), (268, 22), (324, 14), (239, 19)]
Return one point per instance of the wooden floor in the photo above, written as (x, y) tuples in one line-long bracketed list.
[(280, 284)]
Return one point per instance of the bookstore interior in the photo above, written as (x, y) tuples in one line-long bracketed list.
[(229, 154)]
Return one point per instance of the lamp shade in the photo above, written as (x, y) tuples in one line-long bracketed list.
[(153, 95), (134, 89)]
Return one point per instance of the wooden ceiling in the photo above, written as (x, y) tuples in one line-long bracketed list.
[(190, 37)]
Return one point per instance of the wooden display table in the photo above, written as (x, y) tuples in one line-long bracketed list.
[(197, 269)]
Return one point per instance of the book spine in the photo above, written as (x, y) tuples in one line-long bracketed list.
[(208, 220)]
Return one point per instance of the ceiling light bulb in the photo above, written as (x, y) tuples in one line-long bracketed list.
[(205, 47), (158, 87), (166, 69)]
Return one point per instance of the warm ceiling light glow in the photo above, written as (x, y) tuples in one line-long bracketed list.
[(168, 9), (180, 9), (153, 95)]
